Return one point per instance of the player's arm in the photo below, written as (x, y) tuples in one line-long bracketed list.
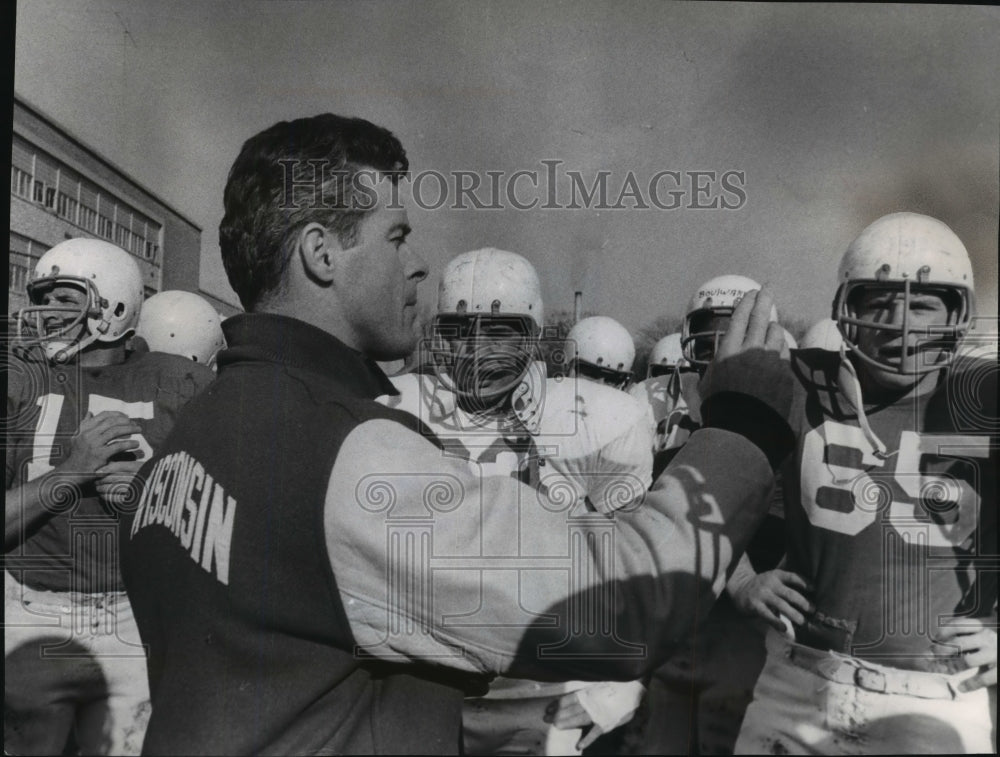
[(773, 594), (404, 542), (99, 438)]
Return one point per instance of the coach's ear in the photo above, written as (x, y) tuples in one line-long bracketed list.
[(318, 248)]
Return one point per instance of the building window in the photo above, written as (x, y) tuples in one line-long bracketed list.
[(67, 200), (19, 271), (66, 206), (24, 253), (105, 227), (88, 206), (88, 218), (20, 182), (46, 175)]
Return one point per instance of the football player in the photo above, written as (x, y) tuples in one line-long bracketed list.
[(667, 374), (705, 322), (885, 612), (182, 323), (601, 349), (697, 699), (577, 444), (82, 415)]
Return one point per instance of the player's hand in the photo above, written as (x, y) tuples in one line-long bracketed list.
[(602, 707), (976, 643), (774, 593), (99, 438), (566, 713), (752, 357), (751, 327), (117, 483)]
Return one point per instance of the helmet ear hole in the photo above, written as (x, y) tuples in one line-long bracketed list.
[(119, 310)]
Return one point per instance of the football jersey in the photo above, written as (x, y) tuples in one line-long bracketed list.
[(659, 392), (895, 545), (76, 549), (587, 447), (588, 441), (669, 404)]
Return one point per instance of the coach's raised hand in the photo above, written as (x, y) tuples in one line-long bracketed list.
[(748, 386)]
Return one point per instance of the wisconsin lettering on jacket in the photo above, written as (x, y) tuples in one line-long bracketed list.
[(185, 499)]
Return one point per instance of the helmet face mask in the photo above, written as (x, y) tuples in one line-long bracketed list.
[(486, 330), (703, 330), (610, 376), (59, 311), (657, 369), (913, 344), (483, 358)]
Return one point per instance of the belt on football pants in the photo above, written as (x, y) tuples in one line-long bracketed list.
[(841, 668)]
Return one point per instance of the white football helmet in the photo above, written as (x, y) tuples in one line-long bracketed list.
[(112, 282), (182, 323), (715, 299), (602, 349), (823, 335), (486, 329), (490, 282), (904, 251), (666, 356)]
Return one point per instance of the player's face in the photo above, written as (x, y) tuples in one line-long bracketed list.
[(711, 322), (67, 302), (887, 306), (491, 357), (382, 271)]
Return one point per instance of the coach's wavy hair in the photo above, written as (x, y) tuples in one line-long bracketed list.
[(291, 174)]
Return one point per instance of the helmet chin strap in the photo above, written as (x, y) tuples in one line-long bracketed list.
[(526, 400), (63, 352), (847, 377)]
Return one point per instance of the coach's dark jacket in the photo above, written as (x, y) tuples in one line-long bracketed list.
[(249, 648)]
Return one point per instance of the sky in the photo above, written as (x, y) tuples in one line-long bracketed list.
[(833, 115)]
